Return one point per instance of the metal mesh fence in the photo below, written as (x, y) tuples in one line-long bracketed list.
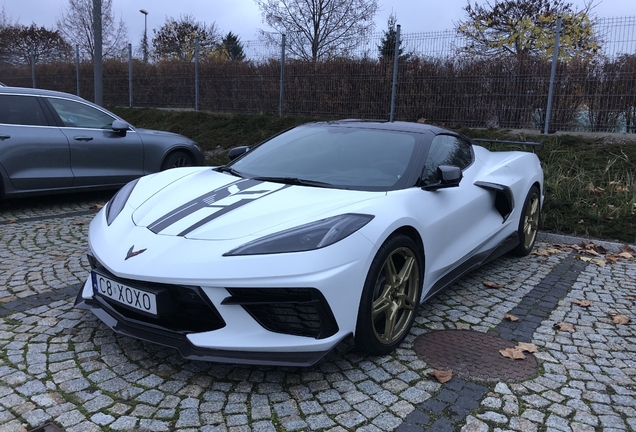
[(435, 82)]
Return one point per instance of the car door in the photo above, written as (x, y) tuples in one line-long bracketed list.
[(458, 219), (99, 155), (34, 153)]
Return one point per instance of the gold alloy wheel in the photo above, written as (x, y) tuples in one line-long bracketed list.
[(531, 221), (394, 302)]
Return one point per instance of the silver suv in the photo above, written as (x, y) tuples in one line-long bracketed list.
[(57, 142)]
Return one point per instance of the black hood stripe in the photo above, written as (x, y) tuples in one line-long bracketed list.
[(213, 199), (227, 209)]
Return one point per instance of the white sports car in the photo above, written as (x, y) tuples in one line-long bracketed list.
[(323, 237)]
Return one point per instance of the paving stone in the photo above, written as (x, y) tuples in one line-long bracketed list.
[(320, 421), (36, 417), (350, 419), (102, 419), (474, 425), (124, 423)]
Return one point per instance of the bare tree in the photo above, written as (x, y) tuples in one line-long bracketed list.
[(76, 26), (175, 39), (20, 42), (6, 20), (318, 29)]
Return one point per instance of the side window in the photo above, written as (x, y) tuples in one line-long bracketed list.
[(77, 114), (446, 150), (21, 110)]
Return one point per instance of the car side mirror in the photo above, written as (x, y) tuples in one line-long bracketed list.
[(120, 126), (449, 176), (237, 151)]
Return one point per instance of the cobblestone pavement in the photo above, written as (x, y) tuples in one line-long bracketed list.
[(62, 366)]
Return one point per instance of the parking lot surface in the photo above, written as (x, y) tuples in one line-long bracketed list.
[(62, 366)]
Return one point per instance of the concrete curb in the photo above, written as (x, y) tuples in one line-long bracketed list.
[(612, 246)]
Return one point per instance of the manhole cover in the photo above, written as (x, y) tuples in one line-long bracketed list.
[(473, 355)]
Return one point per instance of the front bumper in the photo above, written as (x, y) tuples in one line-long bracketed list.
[(181, 343)]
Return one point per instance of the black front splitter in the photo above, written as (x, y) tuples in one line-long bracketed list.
[(181, 343)]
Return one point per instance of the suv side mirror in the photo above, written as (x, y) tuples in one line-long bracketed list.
[(449, 176), (120, 126)]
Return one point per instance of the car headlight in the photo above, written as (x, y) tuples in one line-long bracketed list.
[(307, 237), (117, 203)]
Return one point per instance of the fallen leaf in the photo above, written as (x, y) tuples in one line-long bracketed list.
[(598, 262), (442, 376), (563, 247), (582, 303), (12, 221), (511, 317), (528, 347), (79, 223), (540, 252), (618, 187), (619, 319), (554, 250), (595, 189), (626, 255), (598, 249), (513, 353), (492, 285), (582, 258), (630, 298), (612, 258), (96, 206), (589, 252), (626, 248), (563, 326)]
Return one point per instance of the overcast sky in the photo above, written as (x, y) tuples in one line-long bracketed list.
[(243, 17)]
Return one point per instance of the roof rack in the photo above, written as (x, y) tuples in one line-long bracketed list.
[(534, 144)]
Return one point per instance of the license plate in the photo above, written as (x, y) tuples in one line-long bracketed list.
[(132, 297)]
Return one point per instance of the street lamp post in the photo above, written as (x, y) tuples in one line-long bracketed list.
[(145, 44)]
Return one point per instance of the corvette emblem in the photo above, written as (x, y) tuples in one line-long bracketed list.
[(132, 253)]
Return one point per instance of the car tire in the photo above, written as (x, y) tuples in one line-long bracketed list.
[(528, 222), (176, 160), (388, 307)]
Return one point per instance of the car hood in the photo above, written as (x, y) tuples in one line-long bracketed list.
[(208, 205)]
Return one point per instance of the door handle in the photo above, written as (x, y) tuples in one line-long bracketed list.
[(83, 138), (4, 137)]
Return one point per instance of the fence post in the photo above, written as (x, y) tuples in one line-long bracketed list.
[(196, 74), (130, 76), (33, 68), (396, 55), (77, 68), (98, 66), (555, 58), (282, 76)]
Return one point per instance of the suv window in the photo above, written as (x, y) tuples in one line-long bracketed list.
[(21, 110), (76, 114), (446, 150)]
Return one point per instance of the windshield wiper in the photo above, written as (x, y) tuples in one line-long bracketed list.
[(294, 181), (230, 170)]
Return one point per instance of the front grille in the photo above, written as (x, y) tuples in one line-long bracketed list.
[(181, 309), (294, 311)]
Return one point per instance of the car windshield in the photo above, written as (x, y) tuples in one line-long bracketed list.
[(333, 156)]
